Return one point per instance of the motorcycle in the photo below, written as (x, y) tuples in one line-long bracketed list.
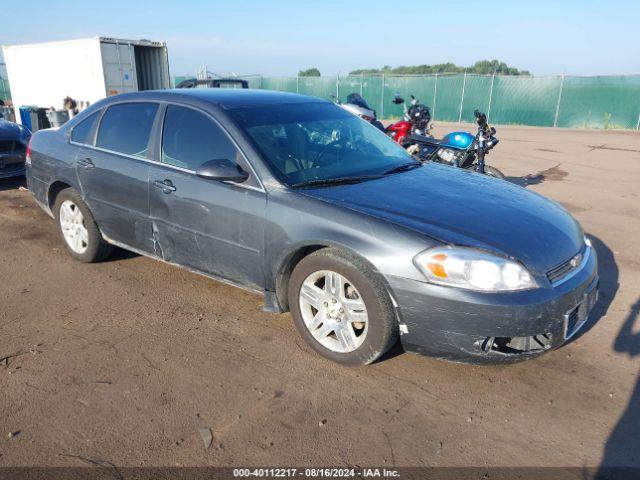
[(459, 149), (416, 121), (358, 106)]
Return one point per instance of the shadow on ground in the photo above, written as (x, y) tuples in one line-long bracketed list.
[(608, 272), (120, 254), (12, 183), (623, 445), (622, 448), (550, 174)]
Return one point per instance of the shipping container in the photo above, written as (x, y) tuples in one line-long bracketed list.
[(86, 70)]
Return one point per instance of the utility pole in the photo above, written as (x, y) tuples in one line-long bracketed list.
[(493, 77), (555, 117), (435, 93), (464, 84), (382, 98)]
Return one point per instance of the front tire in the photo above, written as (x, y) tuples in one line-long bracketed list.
[(78, 229), (493, 172), (341, 307)]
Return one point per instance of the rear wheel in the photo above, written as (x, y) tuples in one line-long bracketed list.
[(78, 229), (341, 307)]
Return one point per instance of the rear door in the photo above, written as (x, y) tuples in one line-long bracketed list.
[(113, 171), (210, 226)]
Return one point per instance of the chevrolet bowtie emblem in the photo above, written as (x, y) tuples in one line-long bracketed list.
[(575, 261)]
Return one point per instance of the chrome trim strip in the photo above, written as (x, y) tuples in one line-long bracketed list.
[(153, 162)]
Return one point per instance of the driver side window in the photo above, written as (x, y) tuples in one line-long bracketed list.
[(190, 138)]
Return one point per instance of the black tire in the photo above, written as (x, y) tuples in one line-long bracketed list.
[(97, 249), (493, 172), (382, 327)]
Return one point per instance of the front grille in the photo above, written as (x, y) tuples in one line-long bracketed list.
[(562, 270)]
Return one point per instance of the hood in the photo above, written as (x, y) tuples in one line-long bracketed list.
[(13, 131), (467, 209)]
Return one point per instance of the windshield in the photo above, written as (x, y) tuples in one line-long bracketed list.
[(313, 142)]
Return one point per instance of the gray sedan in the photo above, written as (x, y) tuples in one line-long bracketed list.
[(293, 197)]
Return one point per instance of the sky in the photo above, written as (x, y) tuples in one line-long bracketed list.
[(281, 37)]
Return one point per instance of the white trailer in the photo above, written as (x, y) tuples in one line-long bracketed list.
[(87, 70)]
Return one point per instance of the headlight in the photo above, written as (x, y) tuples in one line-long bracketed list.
[(447, 155), (472, 269)]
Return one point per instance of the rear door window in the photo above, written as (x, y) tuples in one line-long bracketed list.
[(81, 133), (125, 128)]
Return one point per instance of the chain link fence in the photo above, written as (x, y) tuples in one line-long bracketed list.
[(547, 101)]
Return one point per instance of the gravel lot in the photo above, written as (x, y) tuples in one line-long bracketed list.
[(130, 360)]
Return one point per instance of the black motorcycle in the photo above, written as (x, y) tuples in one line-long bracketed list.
[(359, 107), (460, 149)]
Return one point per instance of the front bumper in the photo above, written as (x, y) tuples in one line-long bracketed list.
[(479, 327), (12, 165)]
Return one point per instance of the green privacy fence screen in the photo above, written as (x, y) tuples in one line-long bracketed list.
[(560, 101), (5, 93)]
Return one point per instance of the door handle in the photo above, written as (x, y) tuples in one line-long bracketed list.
[(86, 163), (165, 185)]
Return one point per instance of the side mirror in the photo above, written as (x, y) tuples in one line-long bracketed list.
[(222, 170)]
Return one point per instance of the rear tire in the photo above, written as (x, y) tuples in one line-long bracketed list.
[(493, 172), (344, 312), (78, 229)]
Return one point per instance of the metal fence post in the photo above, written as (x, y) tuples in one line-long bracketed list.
[(382, 98), (555, 118), (435, 92), (297, 83), (638, 124), (493, 77), (464, 84), (361, 84)]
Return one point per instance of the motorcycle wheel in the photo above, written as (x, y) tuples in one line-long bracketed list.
[(493, 172)]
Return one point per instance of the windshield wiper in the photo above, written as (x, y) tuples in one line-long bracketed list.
[(335, 181), (403, 168)]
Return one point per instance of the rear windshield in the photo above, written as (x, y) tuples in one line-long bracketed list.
[(317, 141)]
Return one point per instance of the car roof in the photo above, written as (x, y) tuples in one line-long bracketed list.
[(228, 98)]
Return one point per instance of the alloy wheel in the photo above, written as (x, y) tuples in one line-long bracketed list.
[(73, 229), (333, 311)]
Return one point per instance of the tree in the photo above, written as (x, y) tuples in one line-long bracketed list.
[(309, 72), (482, 67)]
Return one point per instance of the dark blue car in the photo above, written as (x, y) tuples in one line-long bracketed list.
[(293, 197), (14, 139)]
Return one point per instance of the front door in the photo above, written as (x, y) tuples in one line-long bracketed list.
[(113, 174), (210, 226)]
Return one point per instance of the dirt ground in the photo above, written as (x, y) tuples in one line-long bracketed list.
[(129, 360)]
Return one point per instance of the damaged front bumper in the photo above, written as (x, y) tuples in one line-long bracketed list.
[(477, 327), (12, 165)]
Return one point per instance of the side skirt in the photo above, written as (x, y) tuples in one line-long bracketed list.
[(198, 272)]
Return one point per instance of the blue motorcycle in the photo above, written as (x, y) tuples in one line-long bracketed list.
[(459, 149)]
